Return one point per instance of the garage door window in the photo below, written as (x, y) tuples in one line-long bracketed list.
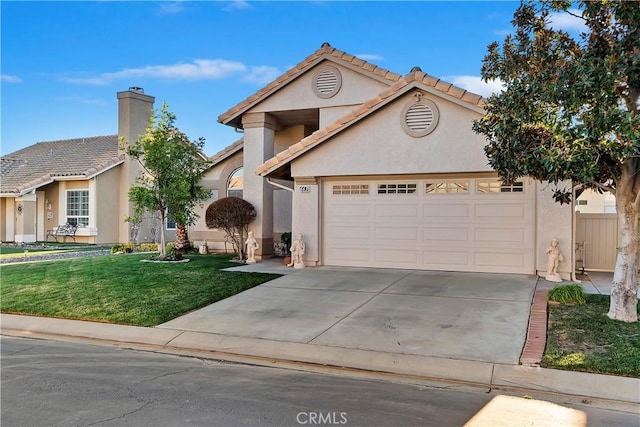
[(499, 187), (351, 189), (397, 188), (450, 187)]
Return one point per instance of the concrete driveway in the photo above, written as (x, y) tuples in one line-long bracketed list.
[(469, 316)]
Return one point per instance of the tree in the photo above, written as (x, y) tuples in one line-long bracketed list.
[(569, 111), (172, 168), (233, 215)]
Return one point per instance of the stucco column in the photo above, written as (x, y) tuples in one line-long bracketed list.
[(259, 134), (554, 221), (306, 217), (26, 219)]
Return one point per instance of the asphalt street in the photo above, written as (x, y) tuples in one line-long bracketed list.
[(50, 383)]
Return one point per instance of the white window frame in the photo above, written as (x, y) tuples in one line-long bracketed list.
[(397, 188), (446, 187), (497, 187), (78, 217), (229, 189)]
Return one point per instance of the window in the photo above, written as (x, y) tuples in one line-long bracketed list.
[(235, 183), (583, 202), (450, 187), (397, 188), (78, 207), (171, 224), (499, 187), (351, 189)]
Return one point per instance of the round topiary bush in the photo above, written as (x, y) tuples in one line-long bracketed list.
[(233, 215)]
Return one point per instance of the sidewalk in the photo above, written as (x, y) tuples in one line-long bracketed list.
[(331, 348)]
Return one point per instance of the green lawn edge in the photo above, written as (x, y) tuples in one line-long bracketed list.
[(121, 289), (582, 338)]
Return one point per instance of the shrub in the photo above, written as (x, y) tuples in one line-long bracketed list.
[(129, 247), (170, 248), (117, 247), (148, 247), (568, 294), (233, 215)]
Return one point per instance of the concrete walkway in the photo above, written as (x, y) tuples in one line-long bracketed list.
[(459, 327)]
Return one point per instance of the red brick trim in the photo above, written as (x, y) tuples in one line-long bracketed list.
[(537, 331)]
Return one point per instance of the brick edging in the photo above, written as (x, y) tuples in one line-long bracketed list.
[(537, 330)]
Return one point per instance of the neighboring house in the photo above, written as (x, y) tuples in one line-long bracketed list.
[(591, 201), (82, 181), (378, 169)]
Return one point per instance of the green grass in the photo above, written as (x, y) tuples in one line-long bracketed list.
[(583, 338), (121, 289)]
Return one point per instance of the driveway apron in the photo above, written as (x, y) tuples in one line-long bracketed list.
[(470, 316)]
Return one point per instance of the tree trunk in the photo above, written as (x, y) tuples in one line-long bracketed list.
[(182, 239), (162, 247), (624, 294)]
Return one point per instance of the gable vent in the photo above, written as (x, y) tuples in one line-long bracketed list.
[(420, 117), (327, 82)]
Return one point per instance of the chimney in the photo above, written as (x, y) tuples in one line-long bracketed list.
[(134, 111)]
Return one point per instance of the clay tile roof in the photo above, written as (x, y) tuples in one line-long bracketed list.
[(319, 136), (226, 152), (42, 162), (325, 52)]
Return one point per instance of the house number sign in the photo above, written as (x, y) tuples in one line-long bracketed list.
[(304, 188)]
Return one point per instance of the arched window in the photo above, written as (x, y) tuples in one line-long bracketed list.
[(235, 183)]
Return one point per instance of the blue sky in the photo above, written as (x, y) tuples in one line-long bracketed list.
[(63, 62)]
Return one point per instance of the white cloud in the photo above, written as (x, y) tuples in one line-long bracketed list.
[(171, 8), (199, 69), (568, 22), (476, 85), (10, 79), (369, 57), (237, 5), (262, 74), (82, 100)]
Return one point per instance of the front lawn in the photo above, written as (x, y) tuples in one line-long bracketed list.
[(120, 288), (583, 338)]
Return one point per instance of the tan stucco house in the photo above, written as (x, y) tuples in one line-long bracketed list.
[(82, 181), (378, 169)]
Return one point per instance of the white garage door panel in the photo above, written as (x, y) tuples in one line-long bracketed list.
[(501, 235), (396, 211), (433, 259), (386, 233), (440, 235), (447, 229), (443, 210)]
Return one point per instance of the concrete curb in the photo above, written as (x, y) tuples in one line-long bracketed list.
[(621, 389)]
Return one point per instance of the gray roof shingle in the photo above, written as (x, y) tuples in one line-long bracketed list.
[(42, 162)]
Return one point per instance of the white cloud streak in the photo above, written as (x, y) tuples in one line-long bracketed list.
[(568, 22), (262, 74), (171, 8), (370, 57), (199, 69), (10, 79), (476, 85), (237, 5)]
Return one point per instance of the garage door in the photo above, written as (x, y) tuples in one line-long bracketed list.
[(433, 224)]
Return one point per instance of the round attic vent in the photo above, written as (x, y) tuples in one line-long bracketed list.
[(419, 117), (327, 82)]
